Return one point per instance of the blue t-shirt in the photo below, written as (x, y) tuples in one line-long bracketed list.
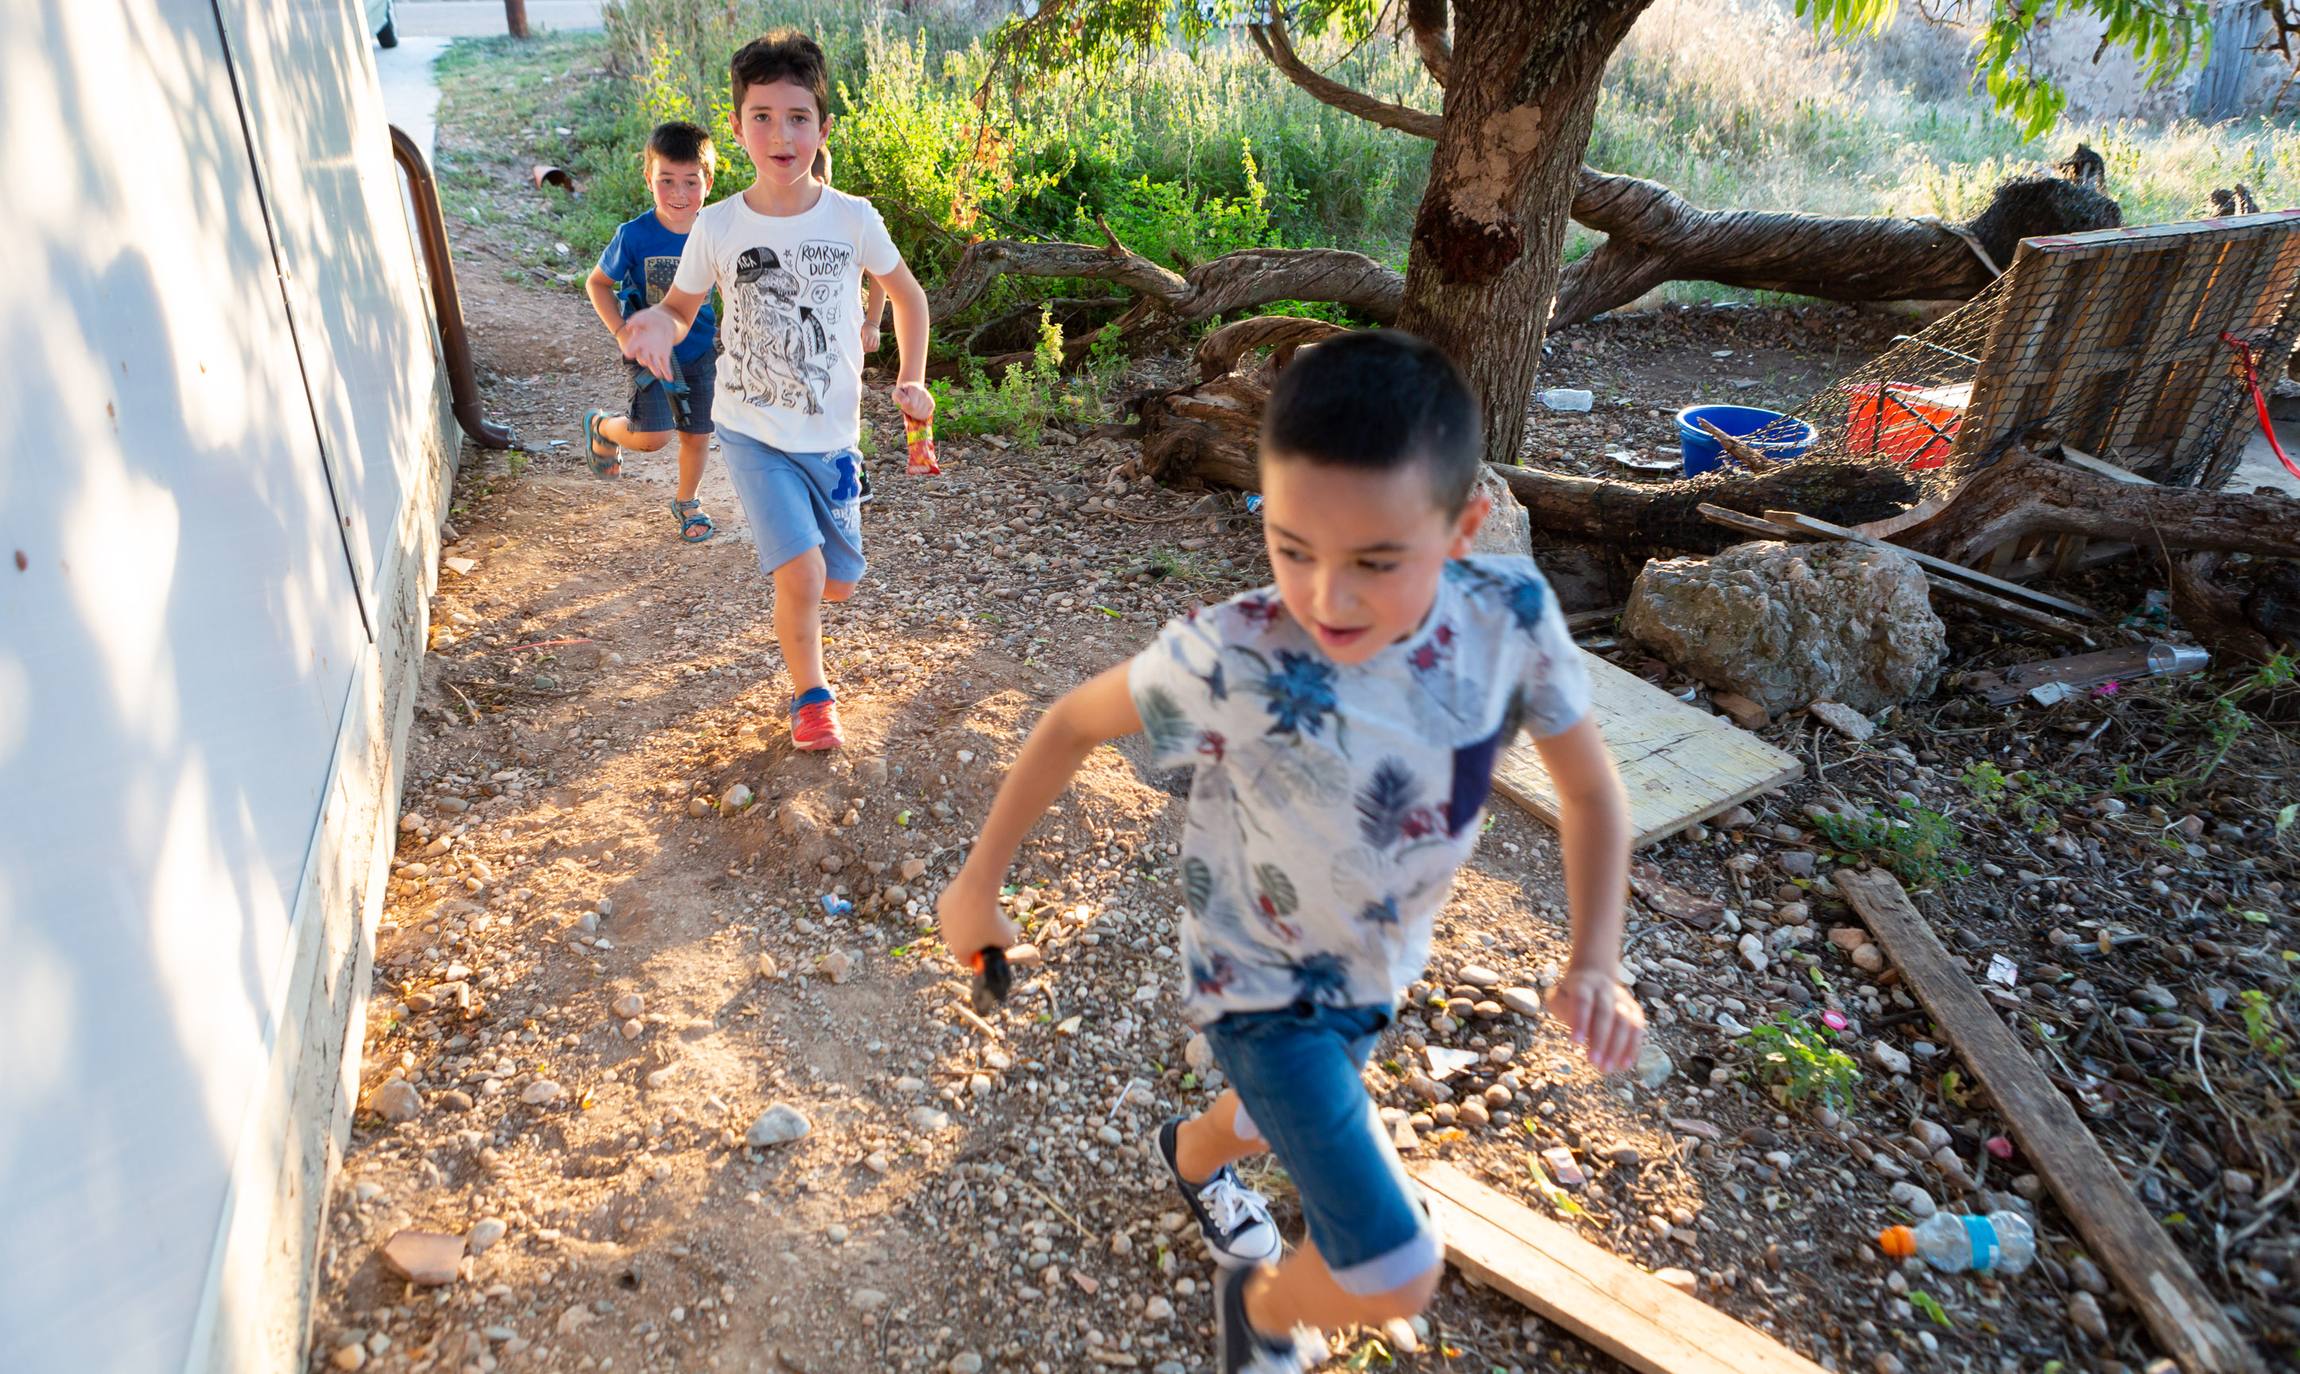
[(1333, 803), (643, 257)]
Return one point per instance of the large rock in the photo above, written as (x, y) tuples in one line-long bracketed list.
[(1508, 530), (1786, 625)]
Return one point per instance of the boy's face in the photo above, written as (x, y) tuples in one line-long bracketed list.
[(679, 188), (1358, 554), (779, 126)]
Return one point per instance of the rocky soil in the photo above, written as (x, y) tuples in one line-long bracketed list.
[(662, 1057)]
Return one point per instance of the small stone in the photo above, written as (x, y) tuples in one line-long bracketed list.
[(1753, 952), (967, 1362), (1797, 863), (1848, 938), (483, 1235), (353, 1356), (698, 807), (766, 966), (1843, 719), (928, 1120), (1869, 959), (1199, 1055), (1564, 1167), (426, 1258), (2237, 1182), (736, 800), (877, 1162), (542, 1093), (779, 1125), (866, 1299), (2084, 1314), (1158, 1310), (1914, 1200), (1524, 1001), (630, 1004), (913, 869), (397, 1101), (1479, 976), (1653, 1066), (634, 1028), (1681, 1280), (1889, 1059), (453, 1100), (2085, 1276), (1742, 712), (838, 965)]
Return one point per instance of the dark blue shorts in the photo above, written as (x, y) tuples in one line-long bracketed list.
[(1299, 1071), (654, 408)]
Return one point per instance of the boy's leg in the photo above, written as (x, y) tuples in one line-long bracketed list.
[(1207, 1142), (618, 430), (1372, 1253), (693, 448), (799, 586)]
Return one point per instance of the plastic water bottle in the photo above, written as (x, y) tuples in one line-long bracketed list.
[(1999, 1243), (1567, 398)]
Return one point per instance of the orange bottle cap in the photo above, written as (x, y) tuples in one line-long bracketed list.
[(1898, 1241)]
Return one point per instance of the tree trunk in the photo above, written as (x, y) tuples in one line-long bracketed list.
[(2021, 494), (1521, 89), (1664, 516)]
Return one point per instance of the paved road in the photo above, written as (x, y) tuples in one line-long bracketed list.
[(479, 18)]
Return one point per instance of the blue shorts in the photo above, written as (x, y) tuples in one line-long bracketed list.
[(1299, 1072), (799, 501), (654, 409)]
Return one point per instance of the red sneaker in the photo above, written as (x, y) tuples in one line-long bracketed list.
[(816, 726)]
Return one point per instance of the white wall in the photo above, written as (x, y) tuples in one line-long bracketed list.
[(205, 473)]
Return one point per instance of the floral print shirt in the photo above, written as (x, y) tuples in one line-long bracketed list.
[(1332, 804)]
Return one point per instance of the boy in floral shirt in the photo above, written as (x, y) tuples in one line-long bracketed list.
[(1343, 726)]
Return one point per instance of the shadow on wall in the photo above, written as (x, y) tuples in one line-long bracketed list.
[(178, 620)]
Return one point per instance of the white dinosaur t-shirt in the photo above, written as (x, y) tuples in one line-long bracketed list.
[(790, 369)]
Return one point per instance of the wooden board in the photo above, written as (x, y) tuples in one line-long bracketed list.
[(1812, 525), (1679, 765), (1588, 1290), (2118, 1232), (2080, 670)]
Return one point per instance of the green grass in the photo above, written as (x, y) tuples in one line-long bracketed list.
[(1802, 1063), (1187, 155), (1911, 841)]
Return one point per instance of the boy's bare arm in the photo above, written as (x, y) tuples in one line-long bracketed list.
[(1593, 830), (874, 316), (910, 325), (1090, 716), (649, 336), (601, 289)]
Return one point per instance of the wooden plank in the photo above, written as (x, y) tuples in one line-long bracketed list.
[(1589, 1291), (2023, 615), (1811, 525), (1679, 765), (2077, 457), (1755, 526), (2181, 1312), (2079, 670)]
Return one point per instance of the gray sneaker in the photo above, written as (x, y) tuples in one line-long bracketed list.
[(1234, 1219), (1240, 1349)]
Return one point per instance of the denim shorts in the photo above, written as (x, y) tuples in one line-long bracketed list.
[(1298, 1070), (799, 501), (655, 410)]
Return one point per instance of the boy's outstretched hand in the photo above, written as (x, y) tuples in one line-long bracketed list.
[(1604, 1018), (971, 921), (914, 400), (647, 339)]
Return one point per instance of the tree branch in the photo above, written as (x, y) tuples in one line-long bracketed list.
[(1242, 280), (1428, 20), (1272, 40)]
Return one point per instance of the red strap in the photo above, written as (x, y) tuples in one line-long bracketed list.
[(2259, 400)]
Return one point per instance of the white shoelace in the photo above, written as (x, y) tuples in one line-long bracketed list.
[(1228, 1203)]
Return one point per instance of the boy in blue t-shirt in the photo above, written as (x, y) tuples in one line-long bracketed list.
[(1343, 727), (633, 273)]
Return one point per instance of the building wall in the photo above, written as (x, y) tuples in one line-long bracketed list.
[(228, 453)]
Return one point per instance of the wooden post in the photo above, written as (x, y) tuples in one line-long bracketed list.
[(2181, 1312), (515, 17)]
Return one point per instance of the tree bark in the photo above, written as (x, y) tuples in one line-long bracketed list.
[(1654, 235), (2021, 494), (1488, 240)]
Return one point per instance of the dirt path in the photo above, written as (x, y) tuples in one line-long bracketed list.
[(599, 967)]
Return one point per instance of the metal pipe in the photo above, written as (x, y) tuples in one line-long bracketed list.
[(432, 230)]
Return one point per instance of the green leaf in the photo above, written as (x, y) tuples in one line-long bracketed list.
[(1925, 1302), (2285, 817)]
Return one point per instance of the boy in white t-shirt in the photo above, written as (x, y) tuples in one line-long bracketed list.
[(788, 256), (1343, 727)]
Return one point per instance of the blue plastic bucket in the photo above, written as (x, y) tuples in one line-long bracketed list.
[(1789, 440)]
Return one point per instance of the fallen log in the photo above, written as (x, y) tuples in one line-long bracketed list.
[(2023, 494)]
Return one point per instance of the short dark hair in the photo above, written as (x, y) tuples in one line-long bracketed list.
[(782, 55), (1375, 401), (680, 140)]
